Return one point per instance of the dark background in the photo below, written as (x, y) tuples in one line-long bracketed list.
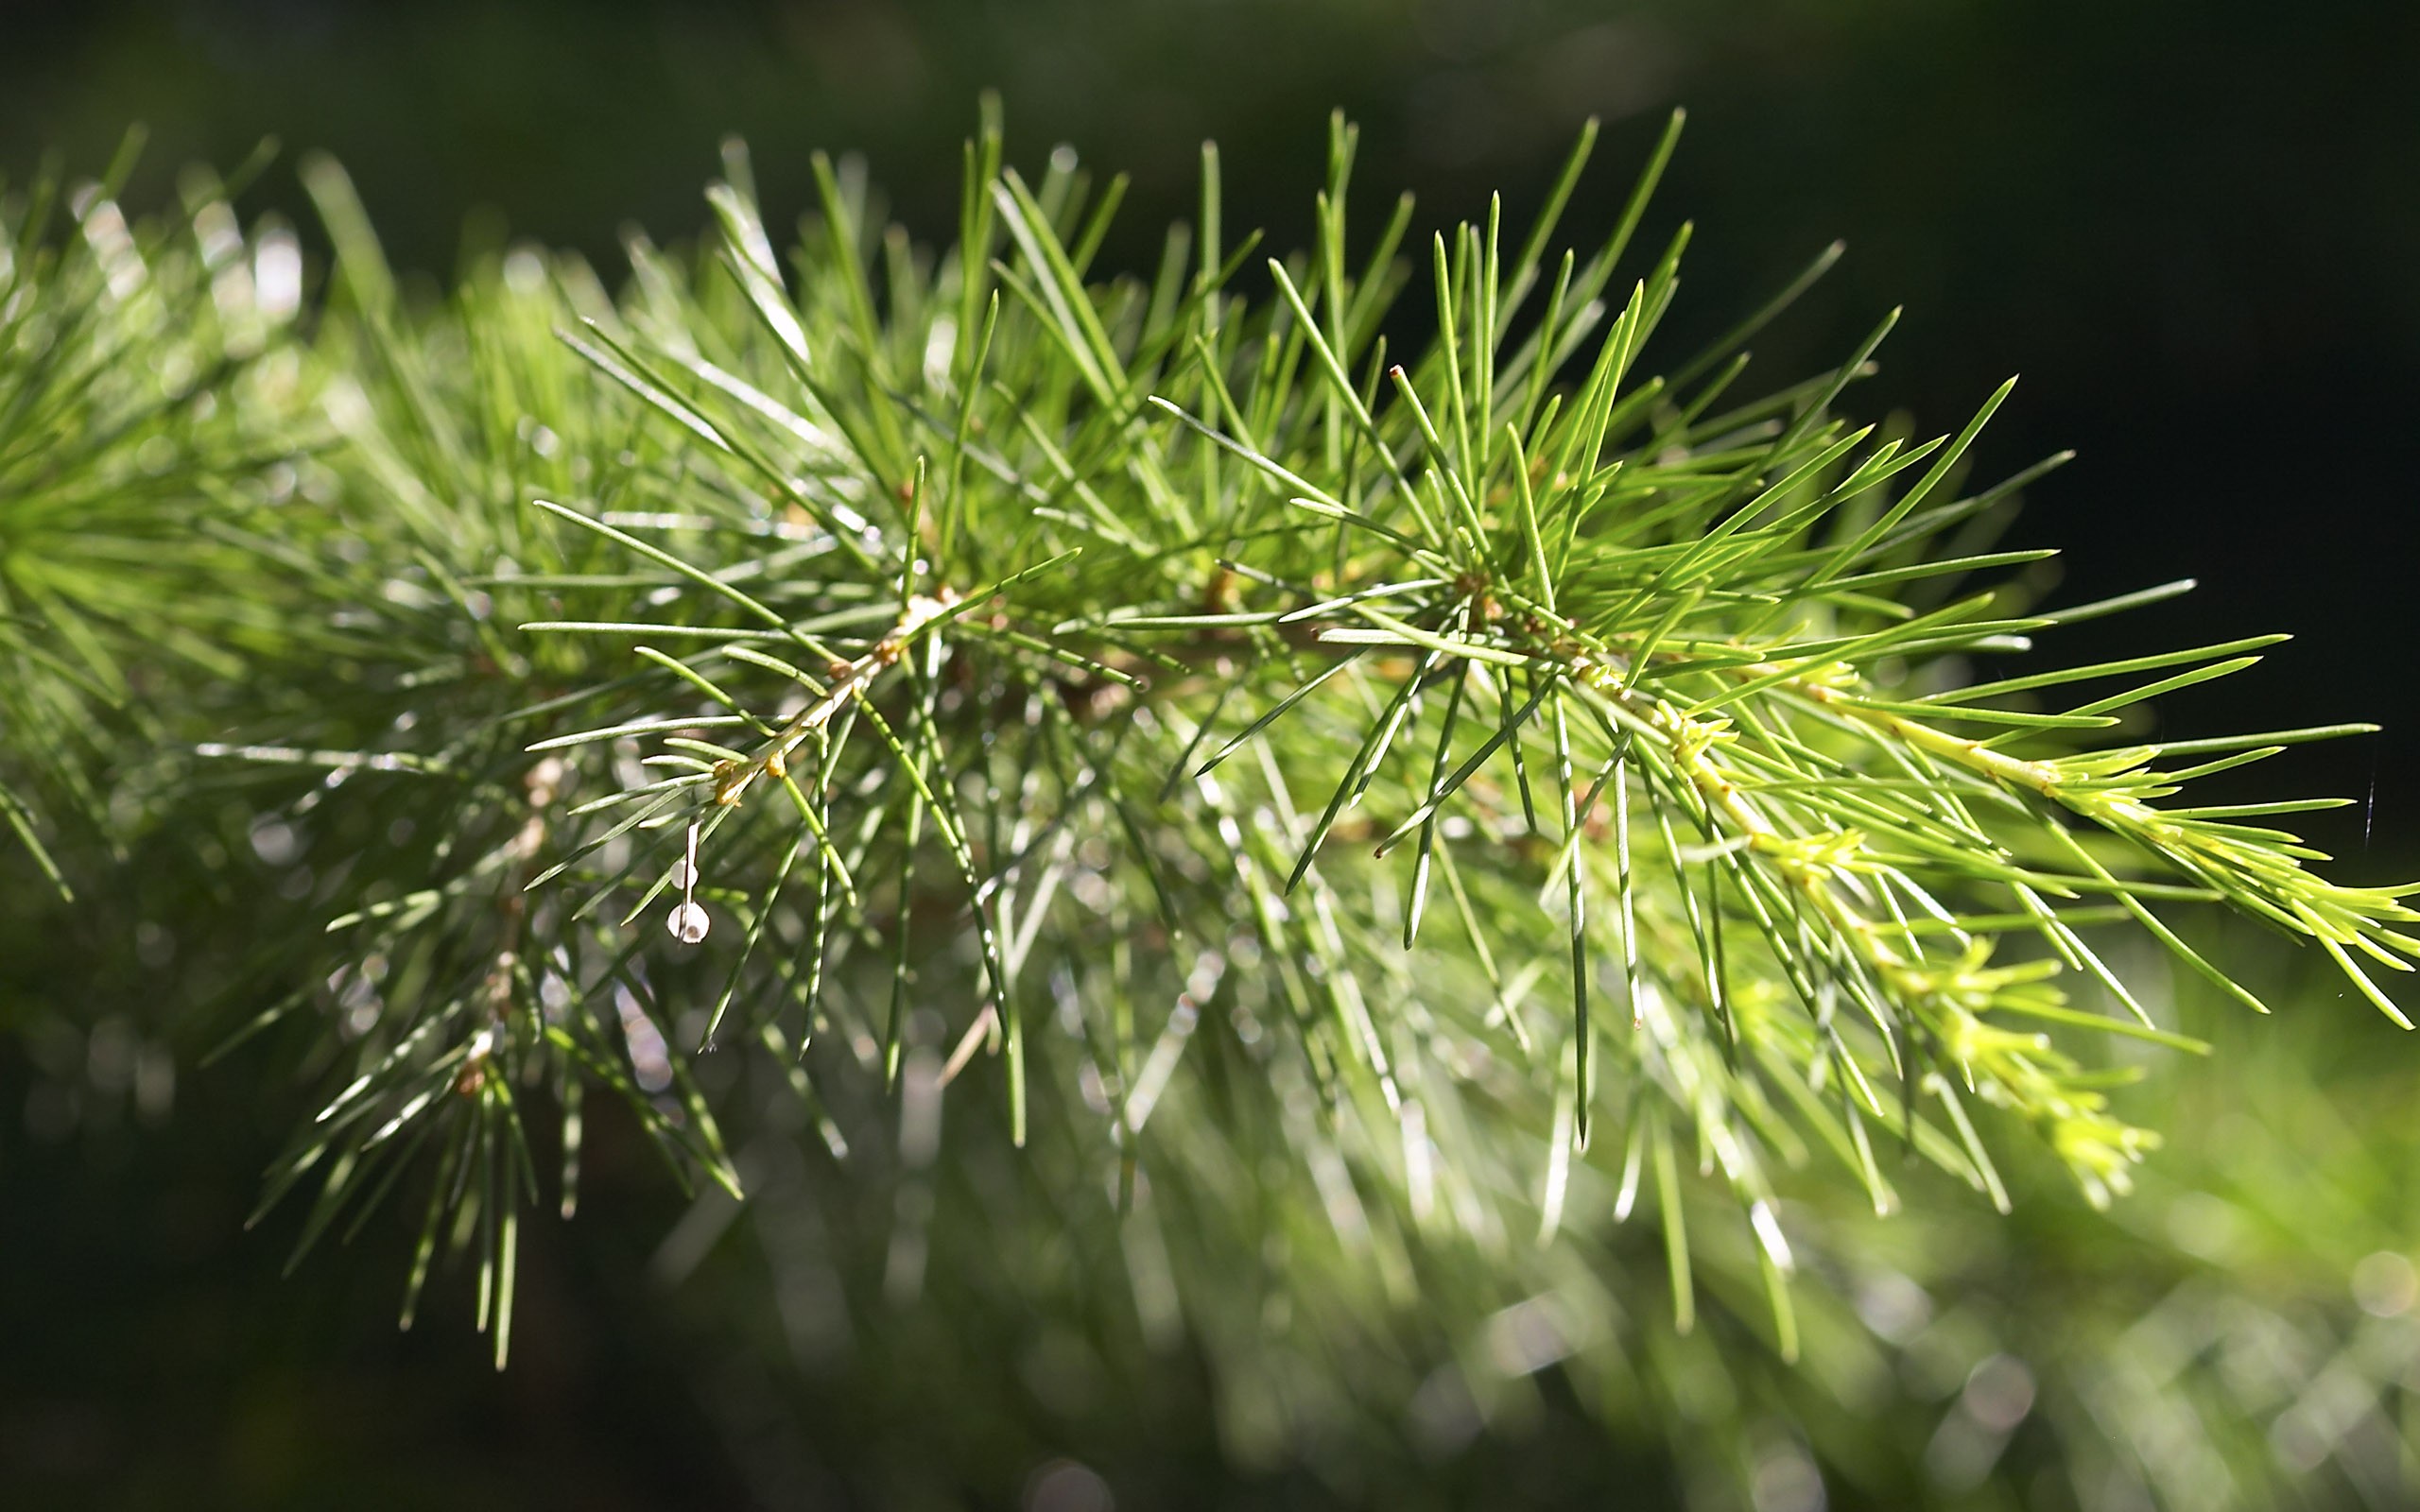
[(2193, 226)]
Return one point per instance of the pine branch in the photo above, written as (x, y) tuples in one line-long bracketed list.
[(977, 657)]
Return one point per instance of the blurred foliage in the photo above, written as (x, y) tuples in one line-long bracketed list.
[(2258, 1283), (2238, 1334)]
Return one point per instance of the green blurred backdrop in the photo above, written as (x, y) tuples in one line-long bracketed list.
[(2192, 225)]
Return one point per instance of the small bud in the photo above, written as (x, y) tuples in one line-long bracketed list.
[(688, 923)]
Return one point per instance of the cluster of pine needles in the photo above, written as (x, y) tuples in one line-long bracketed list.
[(1370, 822)]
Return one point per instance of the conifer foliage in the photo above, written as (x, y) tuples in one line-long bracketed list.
[(1367, 751)]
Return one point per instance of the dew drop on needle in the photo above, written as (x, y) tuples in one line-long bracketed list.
[(688, 923)]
